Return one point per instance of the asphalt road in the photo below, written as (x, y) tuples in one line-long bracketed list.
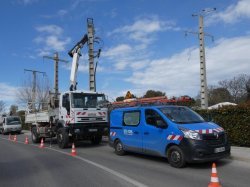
[(28, 165)]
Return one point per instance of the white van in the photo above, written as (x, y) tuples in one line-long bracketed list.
[(9, 124)]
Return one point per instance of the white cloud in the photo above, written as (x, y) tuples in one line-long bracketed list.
[(27, 2), (59, 14), (62, 12), (142, 29), (51, 39), (53, 42), (233, 13), (178, 76), (50, 29), (121, 49), (139, 35), (7, 92)]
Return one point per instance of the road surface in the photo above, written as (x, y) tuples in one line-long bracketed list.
[(28, 165)]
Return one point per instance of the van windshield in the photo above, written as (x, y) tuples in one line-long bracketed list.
[(13, 121), (181, 115)]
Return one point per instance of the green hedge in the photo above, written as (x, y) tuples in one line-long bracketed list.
[(234, 119)]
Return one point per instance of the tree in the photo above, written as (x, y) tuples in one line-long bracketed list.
[(153, 93), (248, 89), (121, 98), (24, 93), (237, 87), (218, 95), (2, 106), (13, 109)]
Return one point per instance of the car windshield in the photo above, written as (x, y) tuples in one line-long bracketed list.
[(181, 115), (84, 100), (13, 121)]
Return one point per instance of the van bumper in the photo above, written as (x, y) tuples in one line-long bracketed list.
[(201, 151)]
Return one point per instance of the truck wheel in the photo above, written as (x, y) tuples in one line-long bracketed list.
[(34, 135), (119, 148), (96, 140), (62, 138), (176, 157)]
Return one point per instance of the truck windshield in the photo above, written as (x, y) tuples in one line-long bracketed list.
[(84, 100), (13, 121), (181, 115)]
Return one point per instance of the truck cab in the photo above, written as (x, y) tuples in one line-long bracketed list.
[(82, 115), (174, 132), (10, 124)]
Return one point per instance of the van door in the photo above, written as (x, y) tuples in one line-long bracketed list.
[(154, 133), (132, 131)]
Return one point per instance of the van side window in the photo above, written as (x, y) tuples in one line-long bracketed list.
[(131, 118), (153, 118)]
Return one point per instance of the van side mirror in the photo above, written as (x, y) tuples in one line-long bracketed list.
[(161, 124)]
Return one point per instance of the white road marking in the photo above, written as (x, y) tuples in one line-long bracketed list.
[(111, 171)]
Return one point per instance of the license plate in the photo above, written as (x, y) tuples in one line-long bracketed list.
[(92, 130), (92, 114), (219, 149)]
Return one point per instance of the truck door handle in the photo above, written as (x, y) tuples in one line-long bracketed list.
[(136, 132), (146, 133)]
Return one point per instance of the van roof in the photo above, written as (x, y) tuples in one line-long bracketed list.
[(145, 107)]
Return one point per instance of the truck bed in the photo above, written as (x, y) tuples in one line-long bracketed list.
[(42, 116)]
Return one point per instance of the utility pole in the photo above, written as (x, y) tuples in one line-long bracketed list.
[(56, 61), (90, 26), (203, 75), (34, 72)]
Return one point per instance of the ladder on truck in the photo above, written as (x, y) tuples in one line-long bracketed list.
[(161, 100)]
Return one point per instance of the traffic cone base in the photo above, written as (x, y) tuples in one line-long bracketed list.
[(214, 182), (42, 144), (26, 140), (15, 138), (73, 151)]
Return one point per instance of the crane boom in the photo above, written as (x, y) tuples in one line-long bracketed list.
[(75, 52)]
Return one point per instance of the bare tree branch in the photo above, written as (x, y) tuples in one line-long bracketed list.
[(2, 106)]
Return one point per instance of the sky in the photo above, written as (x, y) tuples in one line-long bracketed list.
[(143, 43)]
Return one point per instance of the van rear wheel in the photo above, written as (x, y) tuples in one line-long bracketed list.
[(176, 157), (119, 148)]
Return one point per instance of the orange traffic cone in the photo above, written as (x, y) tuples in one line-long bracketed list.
[(214, 177), (42, 144), (26, 140), (73, 151), (14, 138), (9, 136)]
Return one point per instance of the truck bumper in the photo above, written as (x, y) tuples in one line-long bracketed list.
[(88, 130), (201, 151)]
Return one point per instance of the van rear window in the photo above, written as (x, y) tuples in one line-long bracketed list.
[(131, 118)]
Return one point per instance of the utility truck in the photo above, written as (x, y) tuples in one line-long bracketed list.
[(75, 114)]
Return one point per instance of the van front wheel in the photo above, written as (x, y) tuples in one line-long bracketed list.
[(176, 157), (119, 148)]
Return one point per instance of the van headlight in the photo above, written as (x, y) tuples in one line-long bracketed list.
[(191, 134)]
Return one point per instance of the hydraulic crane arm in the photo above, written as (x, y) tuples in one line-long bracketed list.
[(75, 52)]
